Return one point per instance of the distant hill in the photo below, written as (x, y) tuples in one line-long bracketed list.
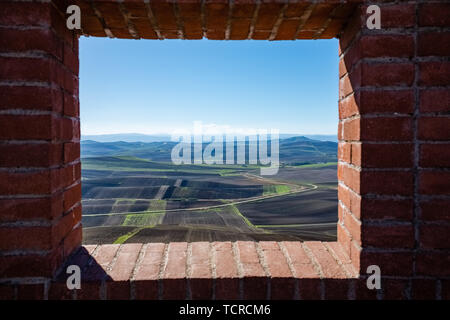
[(294, 150), (126, 137), (138, 137)]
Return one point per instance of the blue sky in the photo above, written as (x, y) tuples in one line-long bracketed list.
[(152, 86)]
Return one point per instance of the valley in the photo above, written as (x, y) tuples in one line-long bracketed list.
[(131, 199)]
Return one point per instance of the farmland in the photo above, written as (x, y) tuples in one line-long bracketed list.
[(130, 199)]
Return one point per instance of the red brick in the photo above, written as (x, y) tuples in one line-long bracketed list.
[(249, 259), (70, 129), (30, 291), (386, 129), (348, 107), (395, 289), (387, 74), (105, 254), (386, 209), (434, 236), (387, 155), (200, 279), (423, 289), (71, 106), (36, 182), (434, 128), (387, 182), (377, 46), (362, 292), (174, 277), (72, 196), (329, 266), (30, 265), (382, 101), (433, 264), (27, 127), (435, 100), (344, 152), (434, 15), (71, 152), (388, 236), (445, 289), (354, 25), (301, 263), (37, 238), (350, 130), (282, 284), (435, 210), (200, 260), (31, 69), (350, 177), (29, 97), (434, 44), (7, 292), (227, 282), (30, 40), (30, 209), (16, 14), (309, 289), (336, 289), (71, 59), (434, 155), (356, 154), (352, 224), (70, 174), (89, 291), (30, 155), (255, 281), (434, 73), (397, 15), (72, 240), (344, 238), (350, 200), (146, 285), (350, 82), (125, 262), (390, 263), (434, 182)]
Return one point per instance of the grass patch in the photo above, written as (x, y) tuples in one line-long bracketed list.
[(315, 165), (236, 211), (144, 219), (157, 205), (127, 236), (276, 189)]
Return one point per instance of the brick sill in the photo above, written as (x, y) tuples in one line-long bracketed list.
[(210, 270)]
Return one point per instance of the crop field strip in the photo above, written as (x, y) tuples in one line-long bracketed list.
[(226, 212)]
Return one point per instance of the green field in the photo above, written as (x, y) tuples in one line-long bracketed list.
[(132, 199)]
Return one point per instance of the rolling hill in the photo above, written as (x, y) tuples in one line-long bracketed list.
[(293, 151)]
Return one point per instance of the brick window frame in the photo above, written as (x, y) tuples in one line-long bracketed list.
[(393, 153)]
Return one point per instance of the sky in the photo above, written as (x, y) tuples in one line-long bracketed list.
[(158, 87)]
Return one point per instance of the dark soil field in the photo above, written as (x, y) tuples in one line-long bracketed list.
[(326, 232), (170, 233), (101, 235), (326, 174), (155, 202), (187, 203), (315, 206), (219, 217)]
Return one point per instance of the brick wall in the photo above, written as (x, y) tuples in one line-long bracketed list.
[(394, 103), (40, 170), (394, 142)]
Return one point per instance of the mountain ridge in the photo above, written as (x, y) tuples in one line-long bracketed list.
[(294, 150)]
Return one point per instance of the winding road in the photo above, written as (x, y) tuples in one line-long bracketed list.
[(294, 189)]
